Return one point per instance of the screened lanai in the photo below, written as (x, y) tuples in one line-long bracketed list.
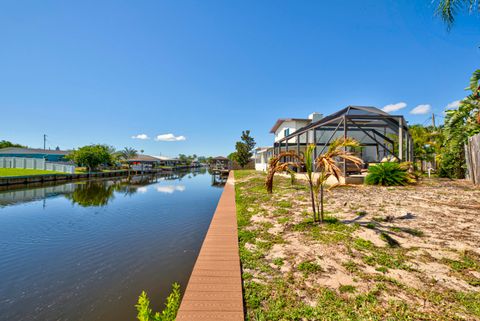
[(380, 135)]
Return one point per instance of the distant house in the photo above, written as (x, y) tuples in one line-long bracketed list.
[(220, 162), (262, 156), (167, 161), (51, 155), (143, 162)]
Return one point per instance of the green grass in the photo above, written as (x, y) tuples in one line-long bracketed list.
[(9, 172)]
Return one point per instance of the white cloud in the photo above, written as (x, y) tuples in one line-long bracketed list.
[(421, 109), (394, 107), (169, 189), (141, 136), (142, 189), (453, 104), (169, 138)]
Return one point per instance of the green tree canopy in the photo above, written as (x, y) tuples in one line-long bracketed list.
[(6, 143), (244, 148), (460, 123), (92, 156)]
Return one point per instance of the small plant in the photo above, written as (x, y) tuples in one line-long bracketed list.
[(145, 313), (347, 288), (388, 174), (309, 267), (371, 226)]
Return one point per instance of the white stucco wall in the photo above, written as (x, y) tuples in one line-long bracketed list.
[(292, 126)]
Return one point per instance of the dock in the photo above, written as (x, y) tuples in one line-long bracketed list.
[(214, 290)]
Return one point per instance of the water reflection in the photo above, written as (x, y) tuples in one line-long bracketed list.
[(100, 192), (169, 189)]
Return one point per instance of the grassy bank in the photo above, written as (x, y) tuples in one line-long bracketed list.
[(407, 253), (8, 172)]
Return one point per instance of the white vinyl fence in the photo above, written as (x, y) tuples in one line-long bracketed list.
[(472, 152), (35, 163)]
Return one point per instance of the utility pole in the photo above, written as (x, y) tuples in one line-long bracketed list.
[(44, 141), (433, 120)]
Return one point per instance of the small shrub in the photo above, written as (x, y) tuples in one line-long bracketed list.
[(309, 267), (388, 174), (145, 313), (347, 289)]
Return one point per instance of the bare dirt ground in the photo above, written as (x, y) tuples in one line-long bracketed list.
[(413, 251)]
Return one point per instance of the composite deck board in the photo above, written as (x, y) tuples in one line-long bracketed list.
[(214, 290)]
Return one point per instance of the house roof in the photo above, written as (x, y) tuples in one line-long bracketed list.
[(280, 121), (220, 158), (260, 150), (143, 158), (384, 118), (26, 151)]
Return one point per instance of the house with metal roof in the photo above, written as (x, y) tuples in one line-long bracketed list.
[(51, 155), (379, 134)]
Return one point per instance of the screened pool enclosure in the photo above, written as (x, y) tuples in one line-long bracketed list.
[(380, 135)]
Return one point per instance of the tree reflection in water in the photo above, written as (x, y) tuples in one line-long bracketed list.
[(101, 192), (92, 193)]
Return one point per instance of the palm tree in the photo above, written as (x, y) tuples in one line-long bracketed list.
[(128, 153), (276, 165), (447, 9), (326, 165)]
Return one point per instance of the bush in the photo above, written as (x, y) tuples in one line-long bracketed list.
[(145, 313), (388, 174)]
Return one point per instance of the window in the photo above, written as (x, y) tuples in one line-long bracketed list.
[(286, 132)]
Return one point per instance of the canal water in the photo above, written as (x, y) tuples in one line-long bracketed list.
[(86, 250)]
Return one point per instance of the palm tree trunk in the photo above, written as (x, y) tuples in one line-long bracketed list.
[(312, 196), (321, 203)]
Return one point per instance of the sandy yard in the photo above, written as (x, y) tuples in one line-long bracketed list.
[(383, 253)]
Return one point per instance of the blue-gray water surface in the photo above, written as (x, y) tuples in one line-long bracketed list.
[(85, 250)]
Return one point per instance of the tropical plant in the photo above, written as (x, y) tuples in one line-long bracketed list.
[(145, 313), (128, 153), (279, 164), (244, 148), (447, 9), (388, 174), (91, 156), (460, 123), (326, 165)]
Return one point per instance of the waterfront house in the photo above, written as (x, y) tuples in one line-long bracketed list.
[(143, 162), (167, 161), (220, 163), (379, 134), (50, 155)]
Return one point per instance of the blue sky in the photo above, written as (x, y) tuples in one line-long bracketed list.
[(103, 71)]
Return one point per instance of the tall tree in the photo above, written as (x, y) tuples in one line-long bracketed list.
[(91, 156), (244, 148)]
